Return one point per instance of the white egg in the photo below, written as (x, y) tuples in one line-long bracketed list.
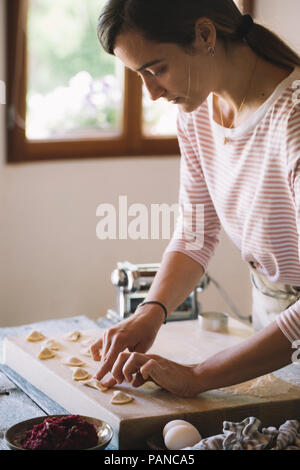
[(173, 423), (181, 436)]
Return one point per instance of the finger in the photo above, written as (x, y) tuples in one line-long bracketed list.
[(109, 383), (138, 380), (126, 365), (106, 344), (110, 358), (95, 349), (117, 370), (133, 365), (152, 370)]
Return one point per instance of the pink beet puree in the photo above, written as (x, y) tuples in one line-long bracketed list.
[(69, 432)]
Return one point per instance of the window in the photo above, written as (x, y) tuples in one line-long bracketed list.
[(74, 89), (67, 98)]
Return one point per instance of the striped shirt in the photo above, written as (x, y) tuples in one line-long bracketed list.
[(250, 186)]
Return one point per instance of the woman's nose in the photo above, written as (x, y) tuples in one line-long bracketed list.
[(154, 89)]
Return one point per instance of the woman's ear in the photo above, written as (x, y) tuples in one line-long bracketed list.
[(205, 35)]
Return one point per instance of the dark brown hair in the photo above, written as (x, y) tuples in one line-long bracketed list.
[(174, 21)]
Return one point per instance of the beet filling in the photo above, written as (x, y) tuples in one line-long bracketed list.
[(69, 432)]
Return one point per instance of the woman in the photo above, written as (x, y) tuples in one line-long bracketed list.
[(235, 84)]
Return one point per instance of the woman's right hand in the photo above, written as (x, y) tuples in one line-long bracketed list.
[(137, 333)]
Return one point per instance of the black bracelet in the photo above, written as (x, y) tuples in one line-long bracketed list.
[(157, 303)]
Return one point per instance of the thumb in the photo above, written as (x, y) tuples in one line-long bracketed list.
[(152, 370)]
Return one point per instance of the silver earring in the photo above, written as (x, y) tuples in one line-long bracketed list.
[(211, 51)]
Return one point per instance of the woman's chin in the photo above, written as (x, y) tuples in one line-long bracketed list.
[(187, 107)]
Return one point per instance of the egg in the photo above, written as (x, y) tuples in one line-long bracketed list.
[(180, 436), (173, 423)]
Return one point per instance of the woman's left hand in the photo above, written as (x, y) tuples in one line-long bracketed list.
[(176, 378)]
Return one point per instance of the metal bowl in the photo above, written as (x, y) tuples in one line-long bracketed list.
[(16, 433), (214, 321)]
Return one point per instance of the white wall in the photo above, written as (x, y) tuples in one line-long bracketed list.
[(51, 263), (282, 17)]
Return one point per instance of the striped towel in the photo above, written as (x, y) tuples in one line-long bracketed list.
[(249, 435)]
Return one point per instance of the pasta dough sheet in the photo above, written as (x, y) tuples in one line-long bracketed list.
[(263, 387)]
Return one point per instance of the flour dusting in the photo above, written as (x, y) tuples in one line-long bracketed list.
[(263, 387)]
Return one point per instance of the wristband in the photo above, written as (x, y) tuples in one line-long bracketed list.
[(157, 303)]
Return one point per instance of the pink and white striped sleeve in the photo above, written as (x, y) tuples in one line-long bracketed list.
[(289, 320), (198, 226)]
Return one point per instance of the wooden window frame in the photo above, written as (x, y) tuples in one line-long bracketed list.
[(131, 142)]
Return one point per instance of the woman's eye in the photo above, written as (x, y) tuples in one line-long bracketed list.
[(158, 73)]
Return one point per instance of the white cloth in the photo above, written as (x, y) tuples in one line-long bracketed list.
[(249, 435), (270, 299)]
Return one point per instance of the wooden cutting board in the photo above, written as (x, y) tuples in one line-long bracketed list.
[(152, 408)]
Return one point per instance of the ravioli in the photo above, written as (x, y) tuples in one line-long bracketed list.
[(80, 374), (52, 344), (74, 361), (93, 383), (45, 353), (35, 336), (73, 336), (120, 398)]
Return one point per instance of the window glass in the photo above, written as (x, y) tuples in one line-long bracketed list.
[(75, 89)]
